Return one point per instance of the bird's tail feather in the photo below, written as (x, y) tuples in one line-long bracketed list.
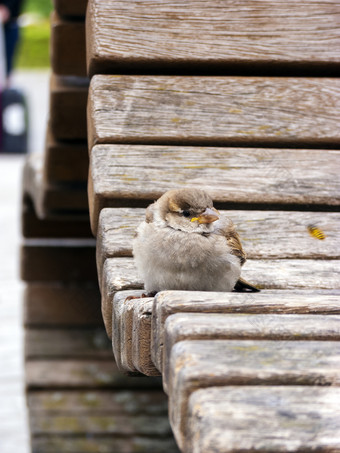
[(244, 286)]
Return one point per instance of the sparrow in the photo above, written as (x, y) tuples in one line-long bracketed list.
[(184, 243)]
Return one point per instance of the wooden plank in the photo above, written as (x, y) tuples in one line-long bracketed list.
[(169, 36), (65, 260), (124, 175), (125, 402), (65, 162), (104, 444), (67, 343), (56, 305), (288, 232), (51, 199), (131, 334), (281, 327), (207, 111), (141, 338), (235, 362), (68, 100), (248, 419), (267, 302), (58, 227), (68, 54), (76, 8), (88, 424), (119, 274), (82, 374)]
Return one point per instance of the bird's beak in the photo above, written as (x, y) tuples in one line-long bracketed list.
[(208, 216)]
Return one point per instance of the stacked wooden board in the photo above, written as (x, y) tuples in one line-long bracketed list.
[(78, 401), (240, 100)]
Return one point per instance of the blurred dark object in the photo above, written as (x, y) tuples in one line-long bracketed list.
[(13, 122)]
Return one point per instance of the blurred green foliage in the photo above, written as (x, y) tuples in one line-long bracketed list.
[(33, 49)]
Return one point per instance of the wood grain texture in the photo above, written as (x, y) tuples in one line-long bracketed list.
[(198, 364), (51, 200), (68, 101), (124, 175), (282, 328), (53, 305), (68, 53), (163, 36), (119, 274), (104, 444), (248, 419), (264, 234), (65, 162), (67, 343), (71, 260), (76, 8), (125, 402), (56, 227), (81, 374), (141, 338), (267, 302), (206, 111)]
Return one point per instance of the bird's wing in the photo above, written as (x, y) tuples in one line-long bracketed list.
[(226, 228)]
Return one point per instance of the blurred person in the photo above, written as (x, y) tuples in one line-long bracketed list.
[(9, 12)]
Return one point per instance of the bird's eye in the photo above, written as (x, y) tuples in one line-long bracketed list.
[(186, 213)]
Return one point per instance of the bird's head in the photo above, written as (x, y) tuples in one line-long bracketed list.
[(189, 210)]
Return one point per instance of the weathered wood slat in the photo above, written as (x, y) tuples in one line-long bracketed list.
[(139, 425), (123, 175), (104, 444), (282, 328), (67, 343), (68, 101), (131, 334), (268, 302), (57, 227), (58, 260), (76, 8), (123, 402), (214, 110), (164, 36), (141, 338), (51, 199), (248, 419), (65, 162), (80, 374), (62, 305), (234, 362), (119, 274), (68, 54), (287, 231)]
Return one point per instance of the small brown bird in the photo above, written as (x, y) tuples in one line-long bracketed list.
[(185, 244)]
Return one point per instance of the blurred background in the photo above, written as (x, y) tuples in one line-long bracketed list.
[(31, 77)]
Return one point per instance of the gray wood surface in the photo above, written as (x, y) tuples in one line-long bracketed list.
[(162, 36), (288, 233), (130, 175), (67, 343), (267, 302), (56, 227), (104, 444), (68, 100), (248, 419), (74, 374), (281, 327), (198, 364), (214, 110), (54, 304), (68, 260), (141, 338), (67, 46), (65, 161), (51, 200)]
